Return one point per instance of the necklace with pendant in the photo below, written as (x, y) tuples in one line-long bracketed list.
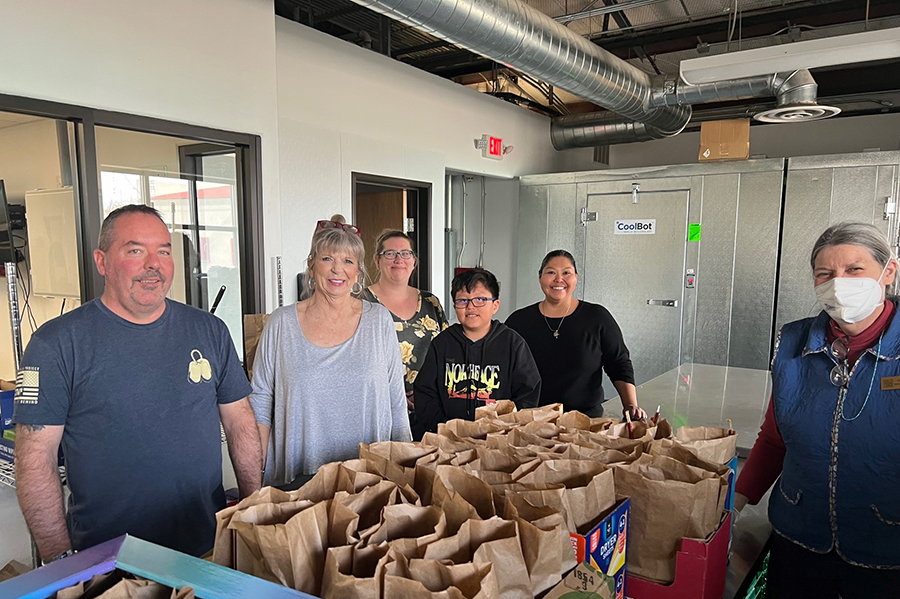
[(556, 331)]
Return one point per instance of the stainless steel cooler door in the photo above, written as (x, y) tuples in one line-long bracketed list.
[(639, 278), (822, 191)]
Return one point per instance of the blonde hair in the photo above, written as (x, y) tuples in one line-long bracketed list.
[(392, 234), (326, 241)]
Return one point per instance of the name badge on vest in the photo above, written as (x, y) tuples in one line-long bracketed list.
[(890, 383)]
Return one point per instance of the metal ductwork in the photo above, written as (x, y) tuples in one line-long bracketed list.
[(598, 129), (523, 38), (795, 93)]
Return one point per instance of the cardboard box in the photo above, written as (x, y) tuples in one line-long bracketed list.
[(7, 445), (149, 561), (605, 546), (7, 406), (700, 569), (725, 140), (586, 582)]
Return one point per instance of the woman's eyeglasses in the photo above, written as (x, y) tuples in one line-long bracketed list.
[(478, 302), (330, 224), (392, 254), (839, 374)]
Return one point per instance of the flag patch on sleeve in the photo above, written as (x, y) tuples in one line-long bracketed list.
[(28, 385)]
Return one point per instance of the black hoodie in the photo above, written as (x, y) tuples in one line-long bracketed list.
[(460, 374)]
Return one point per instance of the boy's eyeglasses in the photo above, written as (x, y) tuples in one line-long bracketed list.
[(330, 224), (392, 254), (478, 302)]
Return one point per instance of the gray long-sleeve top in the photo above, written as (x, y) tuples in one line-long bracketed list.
[(321, 402)]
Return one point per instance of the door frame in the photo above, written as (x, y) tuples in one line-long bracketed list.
[(422, 234), (86, 183)]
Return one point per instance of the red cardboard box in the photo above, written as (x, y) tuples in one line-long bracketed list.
[(699, 569)]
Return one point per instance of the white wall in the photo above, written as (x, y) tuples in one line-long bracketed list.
[(501, 219), (29, 158), (344, 109), (203, 62), (134, 150), (339, 108), (831, 136)]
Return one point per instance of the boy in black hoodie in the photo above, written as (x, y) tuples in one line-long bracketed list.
[(475, 362)]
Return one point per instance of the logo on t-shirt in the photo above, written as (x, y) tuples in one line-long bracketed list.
[(199, 368), (28, 384), (471, 381)]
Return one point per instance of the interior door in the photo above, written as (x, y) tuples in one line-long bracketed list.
[(635, 263)]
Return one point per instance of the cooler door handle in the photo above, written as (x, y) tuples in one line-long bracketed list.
[(667, 303)]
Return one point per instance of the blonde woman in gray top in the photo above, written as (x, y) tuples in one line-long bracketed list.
[(328, 373)]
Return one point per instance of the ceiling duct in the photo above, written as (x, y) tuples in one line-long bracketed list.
[(523, 38), (795, 92)]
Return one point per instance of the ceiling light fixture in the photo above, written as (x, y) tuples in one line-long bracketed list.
[(810, 54)]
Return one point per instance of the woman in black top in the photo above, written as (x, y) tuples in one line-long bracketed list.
[(573, 342)]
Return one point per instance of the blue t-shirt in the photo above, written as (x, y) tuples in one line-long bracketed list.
[(140, 407)]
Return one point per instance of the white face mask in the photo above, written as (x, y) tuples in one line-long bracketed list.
[(851, 299)]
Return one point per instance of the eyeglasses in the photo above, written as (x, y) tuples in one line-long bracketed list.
[(330, 224), (478, 302), (839, 375), (392, 254)]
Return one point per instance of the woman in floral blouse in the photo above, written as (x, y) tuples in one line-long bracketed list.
[(418, 315)]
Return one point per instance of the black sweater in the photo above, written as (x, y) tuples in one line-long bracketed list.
[(460, 374), (571, 366)]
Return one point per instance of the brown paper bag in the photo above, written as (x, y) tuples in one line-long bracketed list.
[(499, 408), (518, 437), (394, 460), (309, 535), (261, 540), (709, 443), (223, 550), (669, 500), (139, 589), (493, 541), (590, 489), (370, 502), (430, 579), (253, 328), (407, 529), (353, 572), (333, 478), (550, 413), (450, 441), (467, 429), (674, 449), (477, 493), (545, 541)]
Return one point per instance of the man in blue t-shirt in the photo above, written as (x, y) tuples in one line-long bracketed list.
[(133, 387)]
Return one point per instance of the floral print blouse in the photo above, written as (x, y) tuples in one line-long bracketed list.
[(416, 334)]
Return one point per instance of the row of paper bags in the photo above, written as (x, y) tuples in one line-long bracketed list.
[(469, 511)]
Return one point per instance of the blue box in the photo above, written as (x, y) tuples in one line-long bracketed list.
[(7, 406), (159, 564), (605, 547), (7, 445)]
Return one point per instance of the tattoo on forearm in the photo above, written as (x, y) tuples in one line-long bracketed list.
[(34, 427)]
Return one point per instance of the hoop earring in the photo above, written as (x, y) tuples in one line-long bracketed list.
[(312, 283), (354, 290)]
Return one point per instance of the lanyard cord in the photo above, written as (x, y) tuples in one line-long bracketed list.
[(871, 382)]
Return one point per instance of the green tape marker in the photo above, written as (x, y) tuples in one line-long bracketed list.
[(694, 230)]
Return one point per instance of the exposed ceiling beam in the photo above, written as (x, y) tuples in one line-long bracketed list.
[(683, 36)]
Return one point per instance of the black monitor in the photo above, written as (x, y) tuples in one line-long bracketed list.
[(7, 251)]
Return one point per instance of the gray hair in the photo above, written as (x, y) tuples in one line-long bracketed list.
[(326, 241), (861, 234), (108, 228)]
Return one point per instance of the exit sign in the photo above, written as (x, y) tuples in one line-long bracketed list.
[(491, 147)]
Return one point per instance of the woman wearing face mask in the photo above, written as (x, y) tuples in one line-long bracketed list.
[(831, 435), (574, 343)]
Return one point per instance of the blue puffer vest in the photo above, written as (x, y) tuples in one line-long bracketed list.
[(840, 487)]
